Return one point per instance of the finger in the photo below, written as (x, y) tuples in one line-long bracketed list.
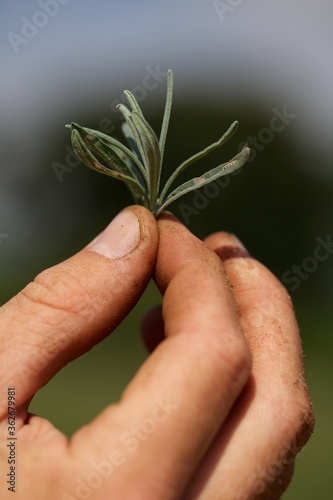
[(72, 306), (273, 418), (152, 328), (181, 395)]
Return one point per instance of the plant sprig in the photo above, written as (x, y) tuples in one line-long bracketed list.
[(140, 165)]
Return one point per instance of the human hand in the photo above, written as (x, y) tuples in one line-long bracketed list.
[(193, 402), (238, 376)]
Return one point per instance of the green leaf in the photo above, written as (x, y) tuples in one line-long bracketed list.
[(143, 178), (115, 158), (133, 102), (231, 130), (82, 151), (150, 144), (166, 116), (108, 154), (131, 140), (226, 168), (127, 114), (140, 165), (114, 145)]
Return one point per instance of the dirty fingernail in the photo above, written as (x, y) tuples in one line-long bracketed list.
[(233, 249)]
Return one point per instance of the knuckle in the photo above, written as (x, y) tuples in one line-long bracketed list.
[(229, 356), (237, 356), (294, 422), (240, 362), (301, 419), (61, 291)]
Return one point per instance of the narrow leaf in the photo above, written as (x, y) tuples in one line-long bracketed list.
[(166, 116), (226, 168), (199, 155), (133, 102), (127, 114), (113, 158), (112, 143), (108, 154), (150, 145), (131, 140), (82, 151)]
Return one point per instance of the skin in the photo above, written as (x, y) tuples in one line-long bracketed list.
[(219, 409)]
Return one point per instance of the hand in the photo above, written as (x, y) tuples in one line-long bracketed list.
[(196, 422), (239, 427)]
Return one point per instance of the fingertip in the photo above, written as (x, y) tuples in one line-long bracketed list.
[(148, 224), (168, 218), (177, 248), (227, 246), (149, 233), (126, 232), (144, 215)]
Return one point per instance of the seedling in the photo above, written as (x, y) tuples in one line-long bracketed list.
[(140, 165)]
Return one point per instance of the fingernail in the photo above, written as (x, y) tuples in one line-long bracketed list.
[(237, 241), (233, 249), (120, 238)]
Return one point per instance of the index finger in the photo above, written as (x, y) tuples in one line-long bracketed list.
[(187, 386)]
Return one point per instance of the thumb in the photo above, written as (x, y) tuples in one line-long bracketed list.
[(74, 305)]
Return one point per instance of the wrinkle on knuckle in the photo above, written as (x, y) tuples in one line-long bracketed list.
[(290, 426), (62, 293), (300, 419), (271, 480), (240, 362), (293, 421)]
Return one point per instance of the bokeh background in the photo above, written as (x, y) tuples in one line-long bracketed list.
[(65, 60)]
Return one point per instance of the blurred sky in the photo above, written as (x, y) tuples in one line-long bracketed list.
[(277, 51), (82, 54)]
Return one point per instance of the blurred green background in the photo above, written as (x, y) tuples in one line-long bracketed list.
[(248, 62)]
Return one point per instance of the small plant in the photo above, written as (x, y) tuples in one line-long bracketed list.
[(140, 165)]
